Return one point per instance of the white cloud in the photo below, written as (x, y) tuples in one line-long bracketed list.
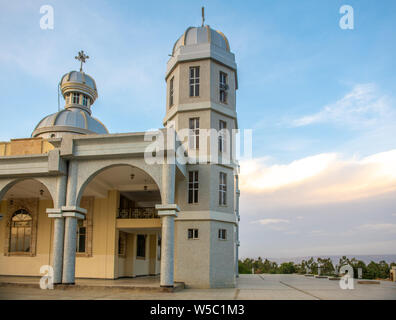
[(256, 175), (378, 227), (271, 221), (363, 106), (318, 179)]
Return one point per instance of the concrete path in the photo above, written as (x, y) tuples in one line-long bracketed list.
[(258, 287)]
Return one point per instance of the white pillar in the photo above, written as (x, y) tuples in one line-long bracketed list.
[(59, 229), (71, 215), (167, 212)]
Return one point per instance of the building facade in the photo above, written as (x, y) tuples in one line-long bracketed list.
[(92, 204)]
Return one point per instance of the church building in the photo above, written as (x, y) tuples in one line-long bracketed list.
[(89, 204)]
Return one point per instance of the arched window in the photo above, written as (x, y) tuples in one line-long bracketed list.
[(21, 231)]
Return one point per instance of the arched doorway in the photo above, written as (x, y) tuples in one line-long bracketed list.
[(122, 226), (26, 241)]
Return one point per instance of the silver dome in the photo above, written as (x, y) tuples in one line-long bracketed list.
[(79, 77), (69, 121), (200, 35)]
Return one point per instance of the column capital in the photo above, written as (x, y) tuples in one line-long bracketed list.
[(54, 212), (74, 211), (167, 209)]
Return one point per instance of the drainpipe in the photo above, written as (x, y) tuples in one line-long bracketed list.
[(237, 216)]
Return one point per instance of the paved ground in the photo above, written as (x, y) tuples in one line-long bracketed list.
[(269, 287)]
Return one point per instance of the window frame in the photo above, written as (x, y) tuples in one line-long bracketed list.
[(74, 95), (80, 235), (222, 234), (192, 234), (85, 100), (222, 189), (138, 256), (171, 91), (193, 136), (223, 82), (30, 226), (194, 81), (222, 135), (122, 242), (193, 187)]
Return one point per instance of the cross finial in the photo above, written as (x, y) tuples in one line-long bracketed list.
[(82, 57), (203, 16)]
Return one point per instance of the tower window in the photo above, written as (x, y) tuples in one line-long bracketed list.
[(193, 187), (194, 81), (171, 92), (222, 234), (76, 98), (192, 233), (21, 230), (194, 133), (223, 189), (222, 135), (85, 100), (223, 87)]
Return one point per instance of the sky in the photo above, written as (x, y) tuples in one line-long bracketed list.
[(319, 99)]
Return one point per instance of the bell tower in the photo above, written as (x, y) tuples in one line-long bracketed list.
[(201, 80)]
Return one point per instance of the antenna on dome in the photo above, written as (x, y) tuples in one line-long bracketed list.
[(203, 16), (58, 96)]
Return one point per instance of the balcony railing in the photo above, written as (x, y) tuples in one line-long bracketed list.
[(137, 213)]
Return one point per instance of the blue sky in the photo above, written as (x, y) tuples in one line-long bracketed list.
[(320, 101)]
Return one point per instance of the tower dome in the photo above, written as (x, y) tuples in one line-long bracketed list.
[(198, 43), (79, 91), (201, 35)]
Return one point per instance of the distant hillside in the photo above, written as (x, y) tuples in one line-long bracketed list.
[(335, 259)]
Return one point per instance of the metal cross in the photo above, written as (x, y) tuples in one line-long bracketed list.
[(82, 57)]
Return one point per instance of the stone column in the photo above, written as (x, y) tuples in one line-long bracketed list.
[(59, 229), (168, 211), (71, 214)]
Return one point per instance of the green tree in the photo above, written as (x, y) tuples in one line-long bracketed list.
[(287, 268)]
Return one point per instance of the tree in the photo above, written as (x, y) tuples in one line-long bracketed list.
[(287, 268)]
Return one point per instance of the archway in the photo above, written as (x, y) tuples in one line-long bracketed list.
[(120, 200)]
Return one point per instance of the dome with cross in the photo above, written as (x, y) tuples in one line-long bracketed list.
[(80, 92)]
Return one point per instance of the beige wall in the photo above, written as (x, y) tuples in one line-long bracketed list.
[(104, 262), (25, 146), (27, 265)]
